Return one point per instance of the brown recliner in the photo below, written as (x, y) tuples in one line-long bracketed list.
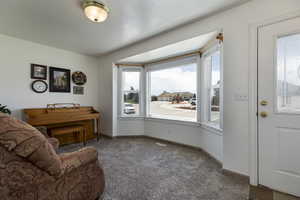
[(30, 169), (53, 141)]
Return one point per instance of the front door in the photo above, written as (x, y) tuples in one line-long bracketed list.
[(279, 106)]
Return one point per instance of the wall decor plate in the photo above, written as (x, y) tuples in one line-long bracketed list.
[(39, 86), (60, 80), (38, 72), (79, 78)]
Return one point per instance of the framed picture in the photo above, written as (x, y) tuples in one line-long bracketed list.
[(78, 90), (60, 80), (38, 72)]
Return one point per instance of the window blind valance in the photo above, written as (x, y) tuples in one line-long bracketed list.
[(172, 63)]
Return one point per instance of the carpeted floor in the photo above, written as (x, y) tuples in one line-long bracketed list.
[(139, 169)]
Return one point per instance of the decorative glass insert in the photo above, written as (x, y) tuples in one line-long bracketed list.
[(288, 73)]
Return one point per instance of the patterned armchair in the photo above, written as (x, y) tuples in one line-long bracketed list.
[(53, 141), (30, 169)]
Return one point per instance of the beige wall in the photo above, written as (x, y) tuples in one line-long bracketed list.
[(15, 82)]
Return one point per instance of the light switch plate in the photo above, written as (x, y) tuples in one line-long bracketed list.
[(241, 97)]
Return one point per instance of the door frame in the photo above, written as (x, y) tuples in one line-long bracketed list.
[(253, 92)]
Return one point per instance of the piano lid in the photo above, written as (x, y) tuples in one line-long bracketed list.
[(58, 113)]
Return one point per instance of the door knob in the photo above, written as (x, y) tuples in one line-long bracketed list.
[(263, 103), (264, 114)]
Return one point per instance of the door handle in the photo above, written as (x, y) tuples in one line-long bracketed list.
[(263, 114), (263, 103)]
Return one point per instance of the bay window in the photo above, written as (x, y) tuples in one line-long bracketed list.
[(185, 89)]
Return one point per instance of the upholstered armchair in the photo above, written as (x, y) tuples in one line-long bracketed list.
[(30, 169), (53, 141)]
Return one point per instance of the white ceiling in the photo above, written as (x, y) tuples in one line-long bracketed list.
[(178, 48), (61, 23)]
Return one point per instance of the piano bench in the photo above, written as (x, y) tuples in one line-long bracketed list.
[(70, 130)]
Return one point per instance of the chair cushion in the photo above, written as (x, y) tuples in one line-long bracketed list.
[(29, 143), (84, 156), (54, 142)]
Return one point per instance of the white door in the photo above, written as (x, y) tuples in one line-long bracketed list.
[(279, 106)]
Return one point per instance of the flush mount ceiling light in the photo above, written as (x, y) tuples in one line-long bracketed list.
[(95, 11)]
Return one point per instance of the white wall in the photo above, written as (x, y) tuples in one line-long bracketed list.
[(192, 135), (235, 24), (15, 82), (131, 127)]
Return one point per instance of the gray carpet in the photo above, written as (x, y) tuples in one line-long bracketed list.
[(139, 169)]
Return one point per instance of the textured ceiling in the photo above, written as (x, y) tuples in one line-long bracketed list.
[(61, 23)]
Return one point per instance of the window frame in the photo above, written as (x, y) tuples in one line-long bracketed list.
[(206, 87), (121, 102), (169, 65)]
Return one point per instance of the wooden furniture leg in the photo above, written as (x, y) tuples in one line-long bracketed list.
[(84, 137), (98, 129)]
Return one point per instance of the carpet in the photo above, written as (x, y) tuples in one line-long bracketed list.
[(141, 169)]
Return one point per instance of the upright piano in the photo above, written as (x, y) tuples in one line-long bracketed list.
[(61, 115)]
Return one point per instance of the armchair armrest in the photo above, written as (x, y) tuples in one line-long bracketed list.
[(53, 141), (43, 130), (74, 160)]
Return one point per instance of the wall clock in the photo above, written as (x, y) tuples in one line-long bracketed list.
[(79, 78), (39, 86)]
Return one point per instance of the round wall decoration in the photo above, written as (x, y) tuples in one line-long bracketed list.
[(39, 86), (79, 78)]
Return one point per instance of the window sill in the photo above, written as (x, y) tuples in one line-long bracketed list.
[(173, 121), (131, 118), (212, 128)]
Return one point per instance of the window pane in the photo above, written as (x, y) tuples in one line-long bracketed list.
[(288, 76), (131, 93), (173, 93), (215, 81)]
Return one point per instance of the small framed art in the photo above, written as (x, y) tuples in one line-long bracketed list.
[(78, 90), (38, 71)]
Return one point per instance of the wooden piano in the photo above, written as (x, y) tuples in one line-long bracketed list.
[(62, 115)]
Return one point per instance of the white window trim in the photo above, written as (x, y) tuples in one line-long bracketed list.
[(121, 94), (205, 79)]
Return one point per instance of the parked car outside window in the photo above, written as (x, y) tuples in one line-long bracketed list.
[(193, 101), (129, 108)]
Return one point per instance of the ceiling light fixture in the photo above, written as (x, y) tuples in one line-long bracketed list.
[(95, 11)]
